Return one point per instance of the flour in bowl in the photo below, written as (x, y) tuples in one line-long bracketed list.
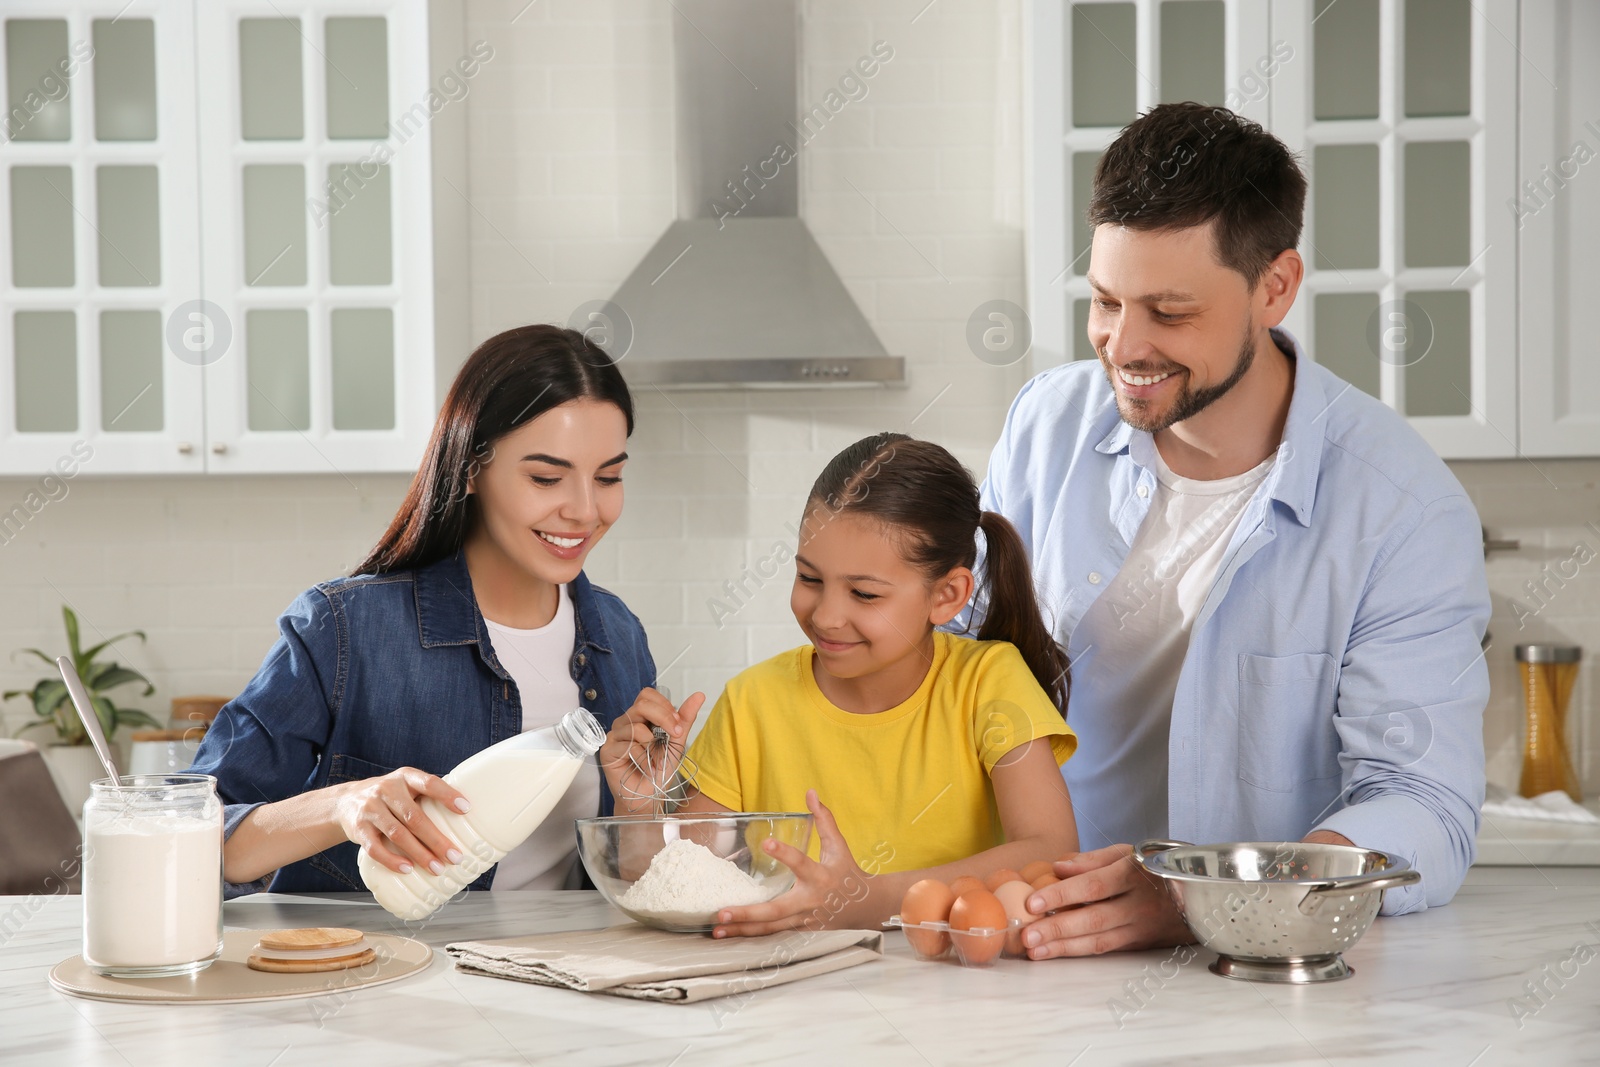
[(687, 881)]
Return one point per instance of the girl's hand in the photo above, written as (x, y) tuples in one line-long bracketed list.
[(633, 772), (831, 891), (383, 817)]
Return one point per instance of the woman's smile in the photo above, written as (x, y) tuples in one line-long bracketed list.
[(564, 545)]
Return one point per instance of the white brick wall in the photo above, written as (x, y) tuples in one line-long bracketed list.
[(570, 183), (202, 565)]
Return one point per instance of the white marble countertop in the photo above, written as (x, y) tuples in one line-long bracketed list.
[(1434, 988)]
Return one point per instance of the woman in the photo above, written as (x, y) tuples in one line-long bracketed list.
[(471, 620)]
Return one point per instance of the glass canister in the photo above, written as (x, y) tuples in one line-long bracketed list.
[(152, 875), (1548, 675)]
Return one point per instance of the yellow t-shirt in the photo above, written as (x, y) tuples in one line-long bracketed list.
[(909, 786)]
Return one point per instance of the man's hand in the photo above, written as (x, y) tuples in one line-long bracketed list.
[(1113, 905)]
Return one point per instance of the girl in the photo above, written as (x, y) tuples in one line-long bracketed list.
[(470, 620), (940, 755)]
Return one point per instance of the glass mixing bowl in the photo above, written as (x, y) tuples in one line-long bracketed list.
[(618, 851)]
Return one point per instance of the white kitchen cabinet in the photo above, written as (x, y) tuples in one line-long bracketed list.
[(1410, 150), (219, 242), (1556, 211), (99, 187)]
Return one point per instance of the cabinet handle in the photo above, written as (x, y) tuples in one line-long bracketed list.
[(219, 448), (184, 447)]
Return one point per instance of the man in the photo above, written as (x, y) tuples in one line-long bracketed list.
[(1271, 589)]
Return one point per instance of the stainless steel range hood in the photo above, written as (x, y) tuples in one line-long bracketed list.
[(736, 292)]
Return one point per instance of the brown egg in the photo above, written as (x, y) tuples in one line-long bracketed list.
[(1044, 880), (1013, 896), (966, 884), (1037, 869), (928, 901), (978, 910), (1000, 878)]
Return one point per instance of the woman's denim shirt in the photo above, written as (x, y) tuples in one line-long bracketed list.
[(377, 672)]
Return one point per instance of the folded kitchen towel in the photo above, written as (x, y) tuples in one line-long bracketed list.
[(636, 961), (1554, 806)]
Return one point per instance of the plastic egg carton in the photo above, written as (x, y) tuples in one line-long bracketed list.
[(972, 948)]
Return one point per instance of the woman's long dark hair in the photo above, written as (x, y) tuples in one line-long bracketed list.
[(918, 487), (513, 377)]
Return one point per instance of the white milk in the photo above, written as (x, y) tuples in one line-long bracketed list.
[(512, 787), (152, 891)]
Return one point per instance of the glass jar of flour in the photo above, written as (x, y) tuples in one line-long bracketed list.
[(152, 875)]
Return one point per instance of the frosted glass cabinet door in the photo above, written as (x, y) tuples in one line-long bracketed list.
[(124, 79), (38, 107), (99, 238), (1557, 217), (132, 365), (45, 371), (271, 94), (128, 224), (1194, 51), (1104, 82), (274, 224), (356, 73), (1344, 52), (42, 227), (318, 243), (1404, 114)]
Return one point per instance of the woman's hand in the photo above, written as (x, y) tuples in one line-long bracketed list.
[(383, 817), (636, 774), (831, 891)]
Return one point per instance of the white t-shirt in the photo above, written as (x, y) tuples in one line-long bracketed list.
[(537, 661), (1134, 636)]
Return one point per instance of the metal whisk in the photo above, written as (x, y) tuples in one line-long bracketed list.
[(659, 784)]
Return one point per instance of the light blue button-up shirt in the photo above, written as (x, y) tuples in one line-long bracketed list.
[(1334, 677)]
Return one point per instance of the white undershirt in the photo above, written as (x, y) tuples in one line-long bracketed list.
[(537, 662), (1134, 638)]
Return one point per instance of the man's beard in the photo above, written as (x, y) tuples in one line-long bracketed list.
[(1189, 402)]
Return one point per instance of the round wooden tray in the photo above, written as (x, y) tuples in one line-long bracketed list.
[(229, 980)]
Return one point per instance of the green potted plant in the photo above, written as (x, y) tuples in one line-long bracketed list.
[(70, 757)]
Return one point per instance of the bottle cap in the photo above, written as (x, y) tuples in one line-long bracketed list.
[(1549, 654)]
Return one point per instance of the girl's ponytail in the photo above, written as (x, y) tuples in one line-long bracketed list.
[(1012, 609)]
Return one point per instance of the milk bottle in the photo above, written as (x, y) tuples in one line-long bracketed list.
[(512, 787)]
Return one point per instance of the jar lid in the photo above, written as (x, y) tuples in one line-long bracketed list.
[(196, 708), (192, 733), (1549, 653)]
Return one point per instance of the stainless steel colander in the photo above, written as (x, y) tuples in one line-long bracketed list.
[(1276, 911)]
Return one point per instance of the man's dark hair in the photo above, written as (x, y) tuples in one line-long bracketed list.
[(1183, 165)]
